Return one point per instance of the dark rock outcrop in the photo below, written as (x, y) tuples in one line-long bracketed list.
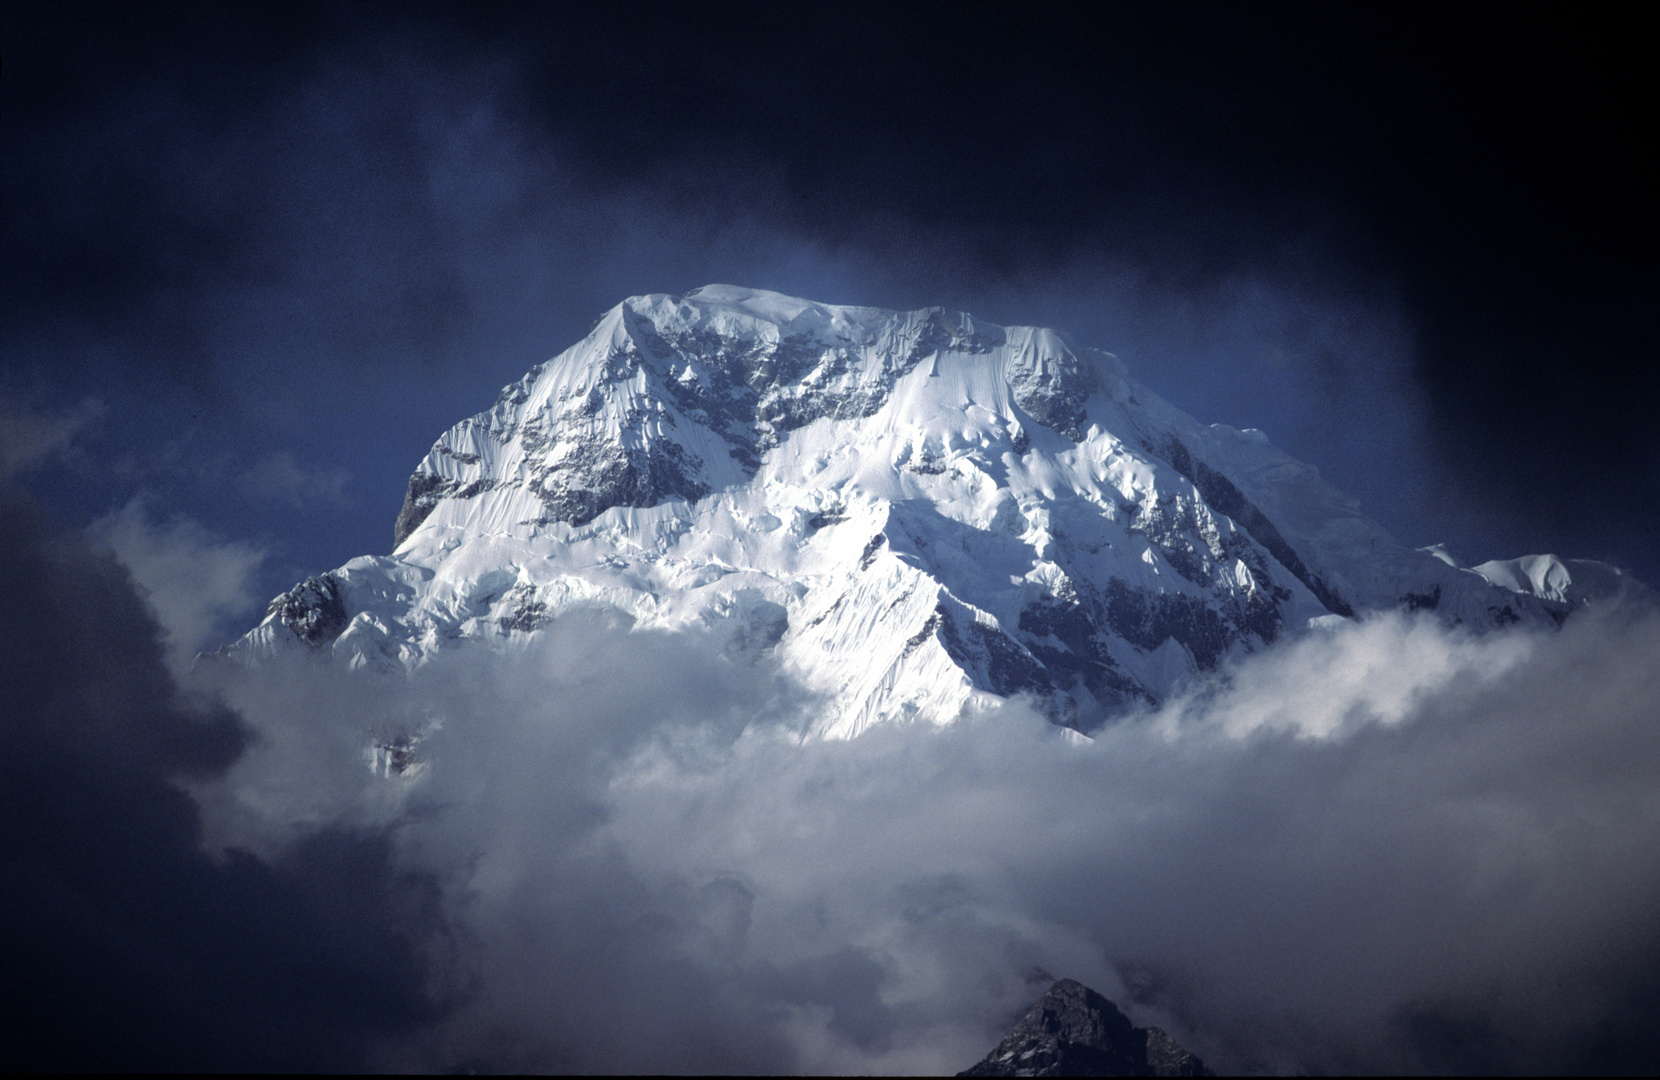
[(1073, 1031), (424, 494), (314, 609)]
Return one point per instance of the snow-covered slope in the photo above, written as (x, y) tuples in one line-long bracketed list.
[(917, 512)]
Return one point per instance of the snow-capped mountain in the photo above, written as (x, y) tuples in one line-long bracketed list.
[(917, 513)]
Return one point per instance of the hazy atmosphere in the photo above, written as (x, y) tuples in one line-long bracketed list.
[(257, 263)]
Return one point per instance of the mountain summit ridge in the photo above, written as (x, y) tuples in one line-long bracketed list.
[(916, 513)]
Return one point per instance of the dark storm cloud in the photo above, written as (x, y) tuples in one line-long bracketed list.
[(334, 231), (129, 948)]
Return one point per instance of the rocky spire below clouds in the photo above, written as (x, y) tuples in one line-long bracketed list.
[(1073, 1031)]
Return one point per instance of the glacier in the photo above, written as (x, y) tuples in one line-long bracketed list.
[(916, 514)]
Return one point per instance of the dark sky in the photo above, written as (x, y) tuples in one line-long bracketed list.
[(284, 249), (256, 261)]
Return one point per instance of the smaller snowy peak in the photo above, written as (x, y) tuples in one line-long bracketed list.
[(1563, 584), (1576, 582), (1346, 559)]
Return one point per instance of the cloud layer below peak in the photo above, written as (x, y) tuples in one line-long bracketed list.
[(1387, 846)]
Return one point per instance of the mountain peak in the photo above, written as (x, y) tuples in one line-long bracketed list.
[(989, 511), (1074, 1031)]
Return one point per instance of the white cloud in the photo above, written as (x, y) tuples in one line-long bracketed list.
[(279, 478), (196, 583), (1390, 846), (29, 437), (1382, 671)]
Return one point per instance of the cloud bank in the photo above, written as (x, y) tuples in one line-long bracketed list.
[(1389, 846)]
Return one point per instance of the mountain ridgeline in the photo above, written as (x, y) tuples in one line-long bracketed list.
[(986, 511)]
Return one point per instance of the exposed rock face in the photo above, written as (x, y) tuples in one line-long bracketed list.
[(425, 492), (1073, 1031), (312, 609)]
